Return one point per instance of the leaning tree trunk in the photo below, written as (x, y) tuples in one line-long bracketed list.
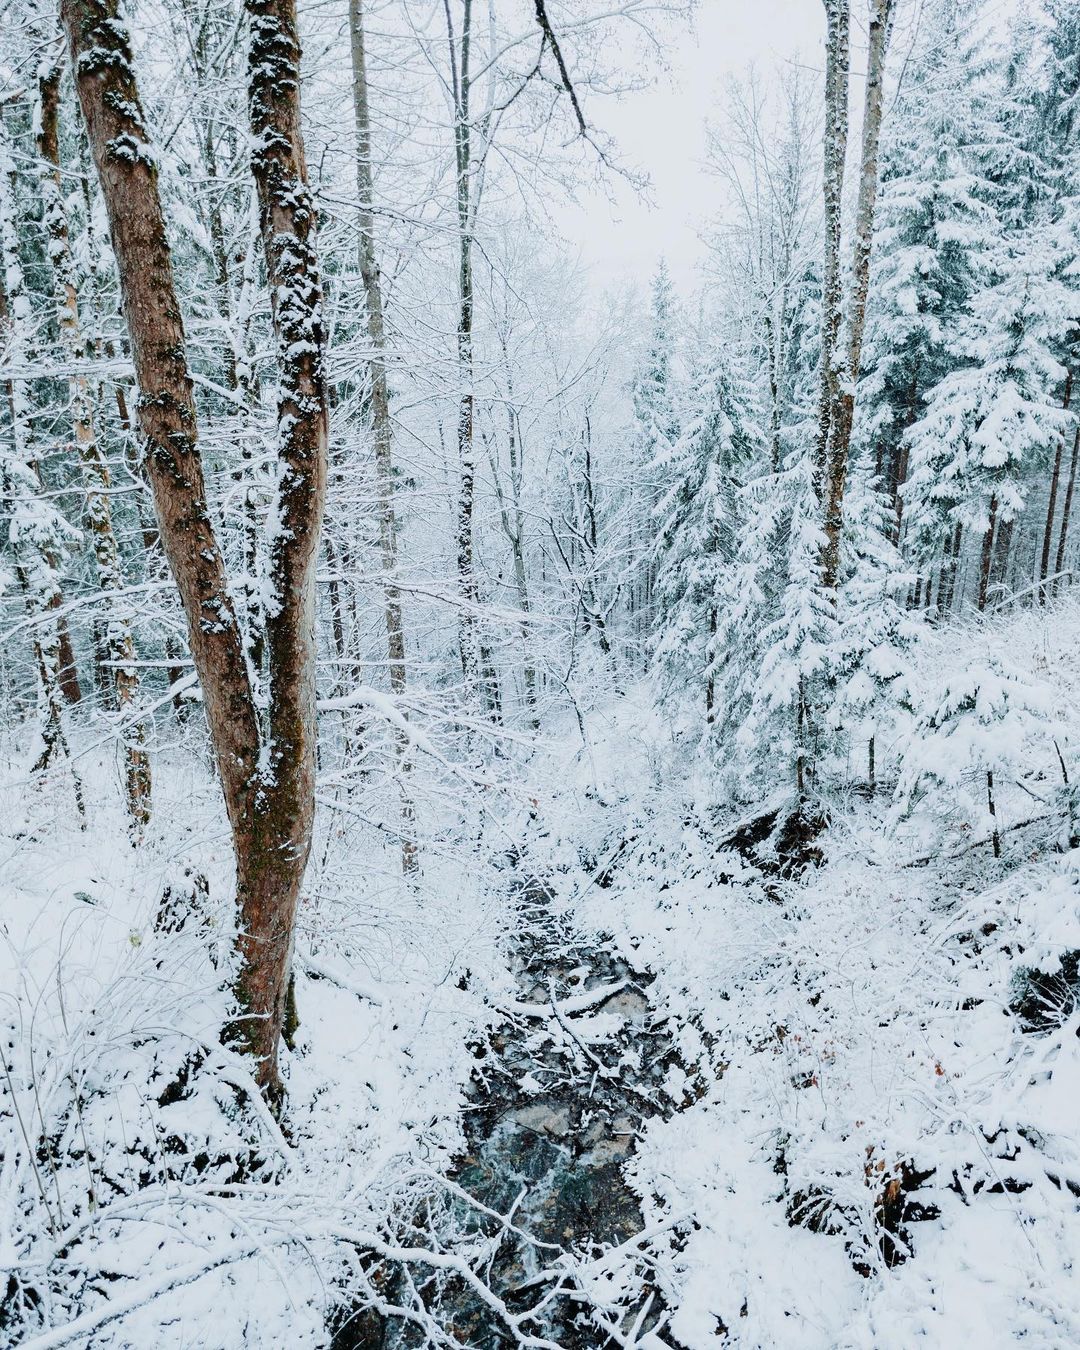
[(268, 784), (380, 409), (122, 673), (842, 415)]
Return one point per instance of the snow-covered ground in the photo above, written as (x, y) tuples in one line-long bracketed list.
[(876, 1140), (860, 1027)]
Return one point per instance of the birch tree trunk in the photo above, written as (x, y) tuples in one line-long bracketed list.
[(842, 414), (467, 635), (380, 408), (119, 642), (268, 782), (836, 124), (475, 660)]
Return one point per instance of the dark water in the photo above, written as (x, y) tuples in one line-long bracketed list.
[(559, 1096)]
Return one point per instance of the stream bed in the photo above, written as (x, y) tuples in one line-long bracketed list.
[(559, 1097)]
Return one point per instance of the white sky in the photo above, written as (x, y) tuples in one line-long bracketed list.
[(661, 131)]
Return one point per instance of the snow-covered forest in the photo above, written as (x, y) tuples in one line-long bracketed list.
[(538, 797)]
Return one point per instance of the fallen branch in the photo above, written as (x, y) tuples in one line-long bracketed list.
[(968, 848), (568, 1006), (370, 992), (82, 1328)]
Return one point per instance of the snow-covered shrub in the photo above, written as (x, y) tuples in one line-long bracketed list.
[(983, 729)]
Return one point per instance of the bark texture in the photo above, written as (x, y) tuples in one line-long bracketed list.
[(836, 124), (267, 779), (842, 387), (987, 556), (1051, 505), (475, 659), (1066, 511), (273, 849)]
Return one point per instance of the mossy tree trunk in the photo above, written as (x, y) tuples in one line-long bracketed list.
[(267, 769)]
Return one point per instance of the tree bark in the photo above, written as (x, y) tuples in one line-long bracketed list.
[(954, 566), (1066, 510), (122, 672), (273, 850), (1051, 506), (512, 519), (476, 664), (987, 556), (842, 414), (268, 782), (836, 130)]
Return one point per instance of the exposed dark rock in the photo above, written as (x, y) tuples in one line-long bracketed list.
[(561, 1103), (1044, 1000), (562, 1088)]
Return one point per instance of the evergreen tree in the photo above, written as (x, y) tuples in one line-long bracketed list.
[(655, 429), (981, 729), (775, 626), (698, 478), (930, 214), (871, 661), (989, 422)]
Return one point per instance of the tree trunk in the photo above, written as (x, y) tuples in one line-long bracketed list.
[(710, 682), (999, 572), (842, 416), (268, 784), (517, 543), (512, 518), (774, 350), (1051, 506), (69, 671), (273, 848), (987, 556), (475, 660), (380, 405), (119, 644), (248, 386), (1066, 510), (836, 129), (466, 410), (952, 565)]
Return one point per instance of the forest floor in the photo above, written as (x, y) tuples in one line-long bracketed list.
[(614, 1082)]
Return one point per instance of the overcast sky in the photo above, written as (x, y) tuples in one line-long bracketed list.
[(661, 131)]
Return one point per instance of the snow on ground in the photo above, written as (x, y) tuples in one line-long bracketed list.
[(156, 1152), (876, 1145), (861, 1027)]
